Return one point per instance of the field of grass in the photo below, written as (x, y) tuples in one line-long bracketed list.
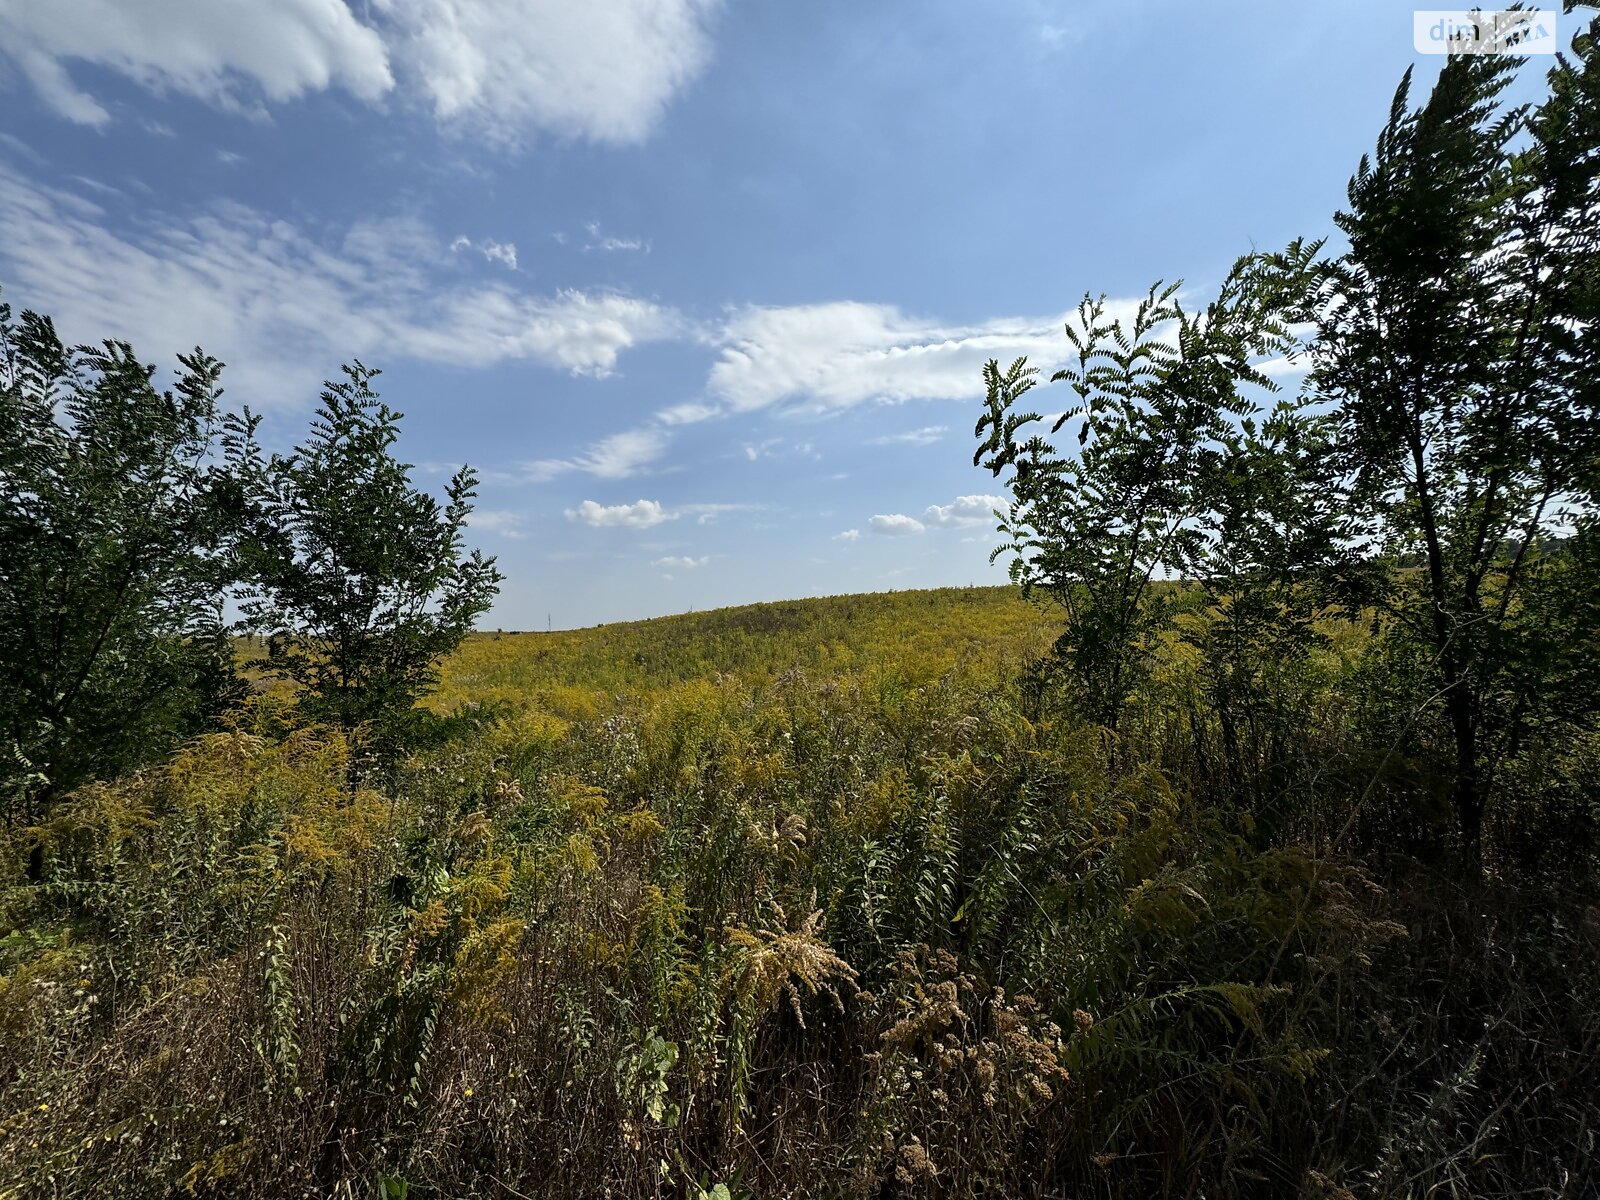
[(916, 636), (826, 898)]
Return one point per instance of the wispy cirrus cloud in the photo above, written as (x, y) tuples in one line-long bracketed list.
[(615, 457), (610, 244), (820, 358), (500, 521), (287, 303), (926, 436)]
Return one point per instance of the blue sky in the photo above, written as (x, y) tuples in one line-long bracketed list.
[(702, 289)]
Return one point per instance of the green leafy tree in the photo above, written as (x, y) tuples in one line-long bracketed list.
[(1456, 343), (114, 520), (359, 581), (1166, 446)]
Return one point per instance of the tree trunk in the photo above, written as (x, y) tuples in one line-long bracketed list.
[(1466, 794)]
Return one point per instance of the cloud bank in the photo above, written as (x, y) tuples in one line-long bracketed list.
[(602, 70)]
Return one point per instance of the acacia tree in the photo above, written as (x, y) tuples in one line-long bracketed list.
[(114, 521), (359, 581), (1456, 343)]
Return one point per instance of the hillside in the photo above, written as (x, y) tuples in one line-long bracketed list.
[(917, 633), (779, 894), (1255, 858)]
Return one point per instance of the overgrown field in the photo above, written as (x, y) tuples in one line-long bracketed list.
[(1276, 882), (828, 898)]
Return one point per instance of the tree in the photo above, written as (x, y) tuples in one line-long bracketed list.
[(1456, 342), (1167, 445), (359, 581), (113, 529)]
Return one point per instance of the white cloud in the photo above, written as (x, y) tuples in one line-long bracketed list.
[(687, 413), (492, 251), (1284, 366), (895, 525), (500, 521), (581, 332), (228, 52), (762, 449), (644, 514), (925, 436), (615, 457), (824, 357), (285, 304), (965, 510), (683, 562), (641, 514), (849, 535), (599, 69), (707, 514), (501, 252), (613, 245)]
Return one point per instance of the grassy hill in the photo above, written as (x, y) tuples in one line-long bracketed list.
[(826, 898), (915, 633)]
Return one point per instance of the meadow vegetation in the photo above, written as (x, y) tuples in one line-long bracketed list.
[(873, 914), (1247, 849)]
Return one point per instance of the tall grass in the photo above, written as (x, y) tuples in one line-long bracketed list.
[(831, 899)]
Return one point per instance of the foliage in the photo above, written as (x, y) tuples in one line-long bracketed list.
[(1456, 338), (846, 897), (854, 924), (359, 581), (1171, 475), (113, 522)]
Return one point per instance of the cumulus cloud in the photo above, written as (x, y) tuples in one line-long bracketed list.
[(683, 562), (825, 357), (849, 535), (286, 304), (964, 510), (605, 70), (615, 457), (895, 525), (641, 514)]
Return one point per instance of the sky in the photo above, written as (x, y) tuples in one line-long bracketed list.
[(702, 289)]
